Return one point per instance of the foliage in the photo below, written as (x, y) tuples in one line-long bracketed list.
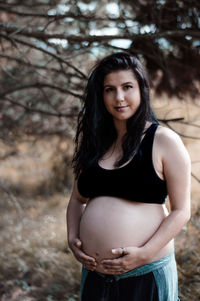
[(47, 48), (172, 43)]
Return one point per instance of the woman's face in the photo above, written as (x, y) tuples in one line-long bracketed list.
[(121, 94)]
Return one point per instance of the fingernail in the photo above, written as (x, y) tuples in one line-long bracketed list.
[(113, 251)]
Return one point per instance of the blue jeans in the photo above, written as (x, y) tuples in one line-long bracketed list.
[(156, 281)]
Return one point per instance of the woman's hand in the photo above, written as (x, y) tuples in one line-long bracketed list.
[(129, 258), (87, 261)]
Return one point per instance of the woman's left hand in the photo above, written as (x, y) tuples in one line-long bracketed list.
[(129, 258)]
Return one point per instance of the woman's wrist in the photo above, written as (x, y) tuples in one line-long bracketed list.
[(146, 254), (71, 240)]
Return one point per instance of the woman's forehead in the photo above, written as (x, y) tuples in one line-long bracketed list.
[(119, 76)]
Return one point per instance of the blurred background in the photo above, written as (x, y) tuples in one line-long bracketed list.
[(47, 49)]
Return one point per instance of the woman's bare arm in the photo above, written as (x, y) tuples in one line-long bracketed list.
[(74, 212), (75, 209), (177, 172)]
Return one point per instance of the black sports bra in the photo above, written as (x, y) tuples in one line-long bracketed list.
[(136, 181)]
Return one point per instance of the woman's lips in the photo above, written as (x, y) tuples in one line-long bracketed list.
[(121, 108)]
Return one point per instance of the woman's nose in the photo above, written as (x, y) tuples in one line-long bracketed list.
[(119, 96)]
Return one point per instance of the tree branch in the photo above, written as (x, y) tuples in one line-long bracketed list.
[(38, 85), (195, 177), (166, 121), (32, 110), (35, 66), (57, 57), (41, 35), (80, 17)]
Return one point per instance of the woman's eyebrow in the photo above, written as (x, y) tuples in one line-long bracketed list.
[(126, 83)]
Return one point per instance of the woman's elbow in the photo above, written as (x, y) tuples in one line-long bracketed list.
[(186, 215), (183, 215)]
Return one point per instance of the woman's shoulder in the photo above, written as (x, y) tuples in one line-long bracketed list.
[(166, 134), (171, 144)]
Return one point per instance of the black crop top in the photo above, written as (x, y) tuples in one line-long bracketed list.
[(136, 181)]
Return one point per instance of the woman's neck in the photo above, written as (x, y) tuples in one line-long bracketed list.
[(121, 130), (120, 127)]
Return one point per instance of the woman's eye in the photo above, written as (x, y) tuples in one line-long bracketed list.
[(109, 89), (127, 87)]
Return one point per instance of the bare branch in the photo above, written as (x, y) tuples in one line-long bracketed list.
[(166, 121), (55, 17), (39, 34), (26, 4), (28, 64), (191, 124), (32, 110), (195, 177), (38, 85), (171, 119), (57, 57)]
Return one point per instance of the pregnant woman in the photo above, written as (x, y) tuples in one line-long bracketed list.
[(125, 165)]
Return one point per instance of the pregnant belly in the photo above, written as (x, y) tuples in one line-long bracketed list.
[(109, 222)]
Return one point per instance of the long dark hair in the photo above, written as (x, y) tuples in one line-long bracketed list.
[(95, 130)]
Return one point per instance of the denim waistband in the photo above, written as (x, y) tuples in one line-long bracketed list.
[(147, 268)]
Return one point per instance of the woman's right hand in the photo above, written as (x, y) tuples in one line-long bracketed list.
[(87, 261)]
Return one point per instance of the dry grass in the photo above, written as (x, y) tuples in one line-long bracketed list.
[(35, 261)]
